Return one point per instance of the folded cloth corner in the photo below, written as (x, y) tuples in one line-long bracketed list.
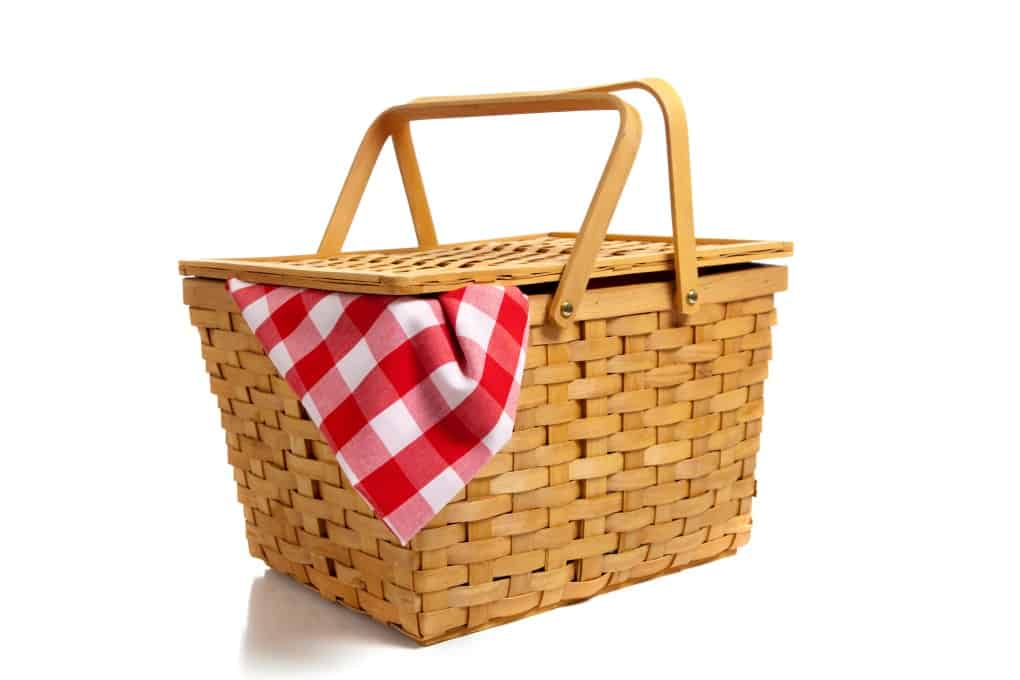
[(414, 395)]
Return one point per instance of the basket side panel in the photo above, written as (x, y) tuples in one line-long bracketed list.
[(633, 455), (302, 516)]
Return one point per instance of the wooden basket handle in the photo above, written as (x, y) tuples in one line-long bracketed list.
[(394, 123), (679, 168), (681, 211), (576, 273)]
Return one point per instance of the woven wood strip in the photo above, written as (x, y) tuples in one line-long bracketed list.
[(633, 455), (512, 261)]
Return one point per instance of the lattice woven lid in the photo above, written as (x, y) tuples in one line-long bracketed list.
[(536, 258)]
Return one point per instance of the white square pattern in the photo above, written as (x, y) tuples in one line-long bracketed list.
[(453, 384), (356, 364), (474, 324), (414, 316), (326, 313), (237, 284), (281, 358), (257, 312), (442, 488), (396, 427)]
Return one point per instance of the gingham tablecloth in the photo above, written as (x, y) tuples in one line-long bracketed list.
[(413, 394)]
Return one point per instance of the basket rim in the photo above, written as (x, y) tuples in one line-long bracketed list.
[(521, 260)]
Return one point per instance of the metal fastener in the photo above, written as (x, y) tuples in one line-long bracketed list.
[(566, 309), (692, 296)]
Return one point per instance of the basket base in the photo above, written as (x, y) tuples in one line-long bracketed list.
[(510, 619)]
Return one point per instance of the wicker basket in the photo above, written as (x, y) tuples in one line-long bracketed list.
[(634, 448)]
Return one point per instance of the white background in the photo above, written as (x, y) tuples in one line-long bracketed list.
[(882, 138)]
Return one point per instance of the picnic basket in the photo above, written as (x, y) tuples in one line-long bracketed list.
[(634, 445)]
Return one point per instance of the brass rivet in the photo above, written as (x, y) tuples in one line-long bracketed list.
[(566, 309), (692, 296)]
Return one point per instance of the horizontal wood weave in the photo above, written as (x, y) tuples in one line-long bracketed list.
[(633, 455)]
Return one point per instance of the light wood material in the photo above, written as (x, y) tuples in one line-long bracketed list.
[(513, 261), (678, 168), (584, 259), (395, 122), (633, 456), (414, 188)]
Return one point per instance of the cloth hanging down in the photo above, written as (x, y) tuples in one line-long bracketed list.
[(413, 394)]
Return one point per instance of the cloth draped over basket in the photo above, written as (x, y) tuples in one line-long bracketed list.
[(414, 395)]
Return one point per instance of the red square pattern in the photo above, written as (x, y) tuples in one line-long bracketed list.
[(413, 398)]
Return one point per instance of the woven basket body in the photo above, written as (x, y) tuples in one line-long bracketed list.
[(633, 455), (636, 435)]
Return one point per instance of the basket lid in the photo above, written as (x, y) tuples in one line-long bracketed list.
[(570, 259), (516, 261)]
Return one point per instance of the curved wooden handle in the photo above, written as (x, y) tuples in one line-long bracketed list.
[(681, 211), (679, 168), (395, 122)]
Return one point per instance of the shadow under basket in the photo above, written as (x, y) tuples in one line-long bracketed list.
[(637, 431)]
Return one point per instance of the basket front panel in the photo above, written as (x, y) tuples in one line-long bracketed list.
[(633, 455)]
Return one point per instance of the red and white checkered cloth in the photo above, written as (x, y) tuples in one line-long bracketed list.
[(413, 394)]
